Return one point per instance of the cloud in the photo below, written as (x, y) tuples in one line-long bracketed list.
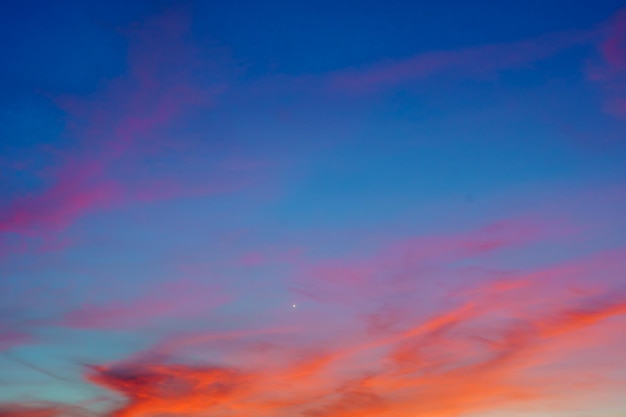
[(10, 338), (41, 410), (252, 259), (77, 190), (396, 268), (23, 411), (525, 340), (120, 130), (470, 62), (164, 303), (505, 345), (153, 389), (610, 71), (16, 327)]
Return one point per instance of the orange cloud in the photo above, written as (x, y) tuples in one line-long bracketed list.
[(483, 354)]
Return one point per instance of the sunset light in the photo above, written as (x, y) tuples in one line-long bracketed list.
[(313, 209)]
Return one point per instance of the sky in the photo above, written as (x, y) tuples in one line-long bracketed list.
[(317, 209)]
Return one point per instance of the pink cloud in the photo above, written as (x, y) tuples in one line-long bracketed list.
[(251, 259), (543, 338), (165, 303), (11, 338), (118, 128), (469, 62), (610, 71), (396, 267), (613, 48), (76, 191)]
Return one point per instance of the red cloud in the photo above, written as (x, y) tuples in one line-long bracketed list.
[(453, 363), (170, 389)]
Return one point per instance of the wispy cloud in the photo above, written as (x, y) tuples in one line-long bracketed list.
[(532, 338), (42, 410), (121, 126), (457, 361), (10, 338), (470, 62), (163, 303), (471, 321), (395, 269), (610, 71)]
